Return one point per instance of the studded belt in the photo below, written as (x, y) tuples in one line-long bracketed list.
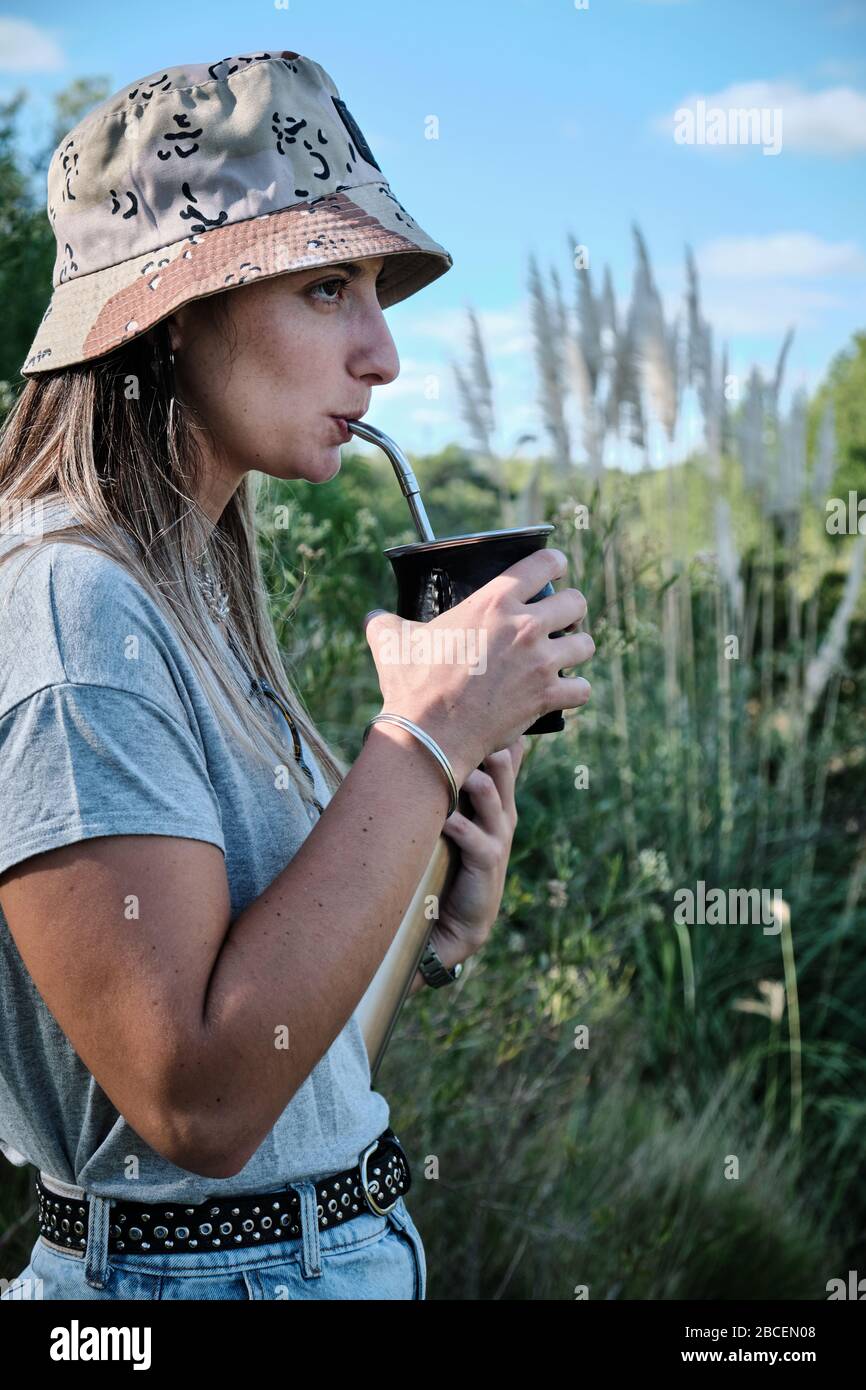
[(375, 1184)]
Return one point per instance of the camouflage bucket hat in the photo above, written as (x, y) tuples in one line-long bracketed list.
[(202, 178)]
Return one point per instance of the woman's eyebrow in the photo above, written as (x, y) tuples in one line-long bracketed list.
[(352, 268)]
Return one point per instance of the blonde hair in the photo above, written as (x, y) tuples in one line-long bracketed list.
[(100, 435)]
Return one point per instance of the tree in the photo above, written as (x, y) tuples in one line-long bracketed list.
[(27, 246), (27, 252), (845, 387)]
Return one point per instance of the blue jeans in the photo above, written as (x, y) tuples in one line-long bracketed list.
[(371, 1257)]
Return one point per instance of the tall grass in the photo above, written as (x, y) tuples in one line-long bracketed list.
[(711, 739)]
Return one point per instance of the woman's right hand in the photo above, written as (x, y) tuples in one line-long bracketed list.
[(478, 675)]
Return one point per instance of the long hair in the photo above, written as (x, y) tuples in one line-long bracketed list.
[(104, 438)]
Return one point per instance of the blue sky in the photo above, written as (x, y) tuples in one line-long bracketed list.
[(553, 120)]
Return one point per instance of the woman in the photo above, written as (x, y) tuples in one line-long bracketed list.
[(179, 1057)]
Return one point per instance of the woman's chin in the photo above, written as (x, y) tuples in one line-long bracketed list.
[(332, 461), (308, 470), (335, 460)]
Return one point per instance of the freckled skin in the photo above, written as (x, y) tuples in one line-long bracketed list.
[(263, 379)]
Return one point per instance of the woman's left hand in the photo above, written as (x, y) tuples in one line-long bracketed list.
[(471, 905)]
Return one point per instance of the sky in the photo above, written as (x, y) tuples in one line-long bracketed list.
[(553, 119)]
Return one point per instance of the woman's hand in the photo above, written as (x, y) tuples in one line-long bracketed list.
[(471, 905)]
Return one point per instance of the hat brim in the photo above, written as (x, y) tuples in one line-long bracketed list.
[(94, 314)]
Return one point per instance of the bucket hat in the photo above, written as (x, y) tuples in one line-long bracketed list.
[(201, 178)]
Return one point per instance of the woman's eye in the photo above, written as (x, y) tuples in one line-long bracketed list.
[(323, 284)]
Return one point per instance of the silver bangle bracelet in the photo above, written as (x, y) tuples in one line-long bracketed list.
[(428, 742)]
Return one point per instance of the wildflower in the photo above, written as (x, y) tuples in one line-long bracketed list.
[(654, 865), (307, 551), (774, 995), (557, 896)]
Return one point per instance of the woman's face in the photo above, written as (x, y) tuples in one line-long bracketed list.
[(267, 379)]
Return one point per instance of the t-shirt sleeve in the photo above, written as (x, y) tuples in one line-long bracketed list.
[(82, 760)]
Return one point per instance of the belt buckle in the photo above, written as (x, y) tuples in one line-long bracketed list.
[(371, 1202)]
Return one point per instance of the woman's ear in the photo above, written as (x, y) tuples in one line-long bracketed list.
[(171, 325), (175, 335)]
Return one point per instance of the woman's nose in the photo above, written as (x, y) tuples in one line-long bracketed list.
[(379, 353)]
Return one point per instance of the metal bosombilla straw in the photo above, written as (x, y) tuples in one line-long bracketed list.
[(402, 467), (378, 1009)]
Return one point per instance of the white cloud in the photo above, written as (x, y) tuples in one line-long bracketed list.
[(767, 308), (403, 410), (842, 69), (785, 253), (765, 284), (832, 121), (414, 372), (425, 416), (24, 47), (504, 332)]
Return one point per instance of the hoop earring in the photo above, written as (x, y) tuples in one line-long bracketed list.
[(171, 398)]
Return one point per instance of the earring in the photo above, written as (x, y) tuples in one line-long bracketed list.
[(171, 399)]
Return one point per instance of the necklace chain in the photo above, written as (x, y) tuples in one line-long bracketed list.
[(213, 593)]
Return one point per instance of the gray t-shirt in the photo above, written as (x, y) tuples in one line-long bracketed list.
[(106, 730)]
